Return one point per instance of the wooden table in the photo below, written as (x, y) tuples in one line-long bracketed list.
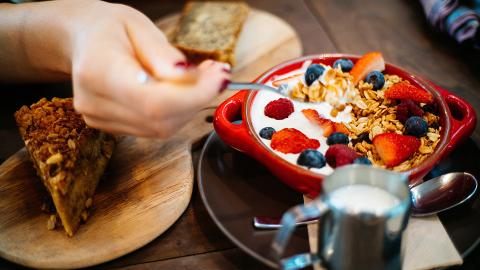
[(396, 28)]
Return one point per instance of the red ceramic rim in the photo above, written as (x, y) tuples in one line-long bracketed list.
[(285, 67)]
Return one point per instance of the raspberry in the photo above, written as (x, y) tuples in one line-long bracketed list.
[(413, 108), (407, 108), (292, 141), (279, 109), (339, 154)]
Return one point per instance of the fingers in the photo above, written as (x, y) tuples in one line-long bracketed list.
[(152, 49), (167, 99), (163, 129), (106, 115), (96, 107), (112, 92), (114, 127), (158, 99)]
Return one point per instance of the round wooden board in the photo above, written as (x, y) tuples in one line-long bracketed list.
[(265, 41), (147, 185)]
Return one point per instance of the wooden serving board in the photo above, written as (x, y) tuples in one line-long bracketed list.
[(147, 185)]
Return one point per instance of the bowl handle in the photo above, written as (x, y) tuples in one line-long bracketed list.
[(234, 134), (463, 118)]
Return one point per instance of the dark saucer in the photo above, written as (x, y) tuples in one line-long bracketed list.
[(235, 188)]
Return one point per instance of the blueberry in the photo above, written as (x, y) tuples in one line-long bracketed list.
[(267, 133), (345, 64), (416, 126), (337, 138), (362, 137), (313, 72), (311, 158), (362, 160), (376, 78), (431, 107)]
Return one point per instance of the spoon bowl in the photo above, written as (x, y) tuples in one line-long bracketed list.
[(442, 193)]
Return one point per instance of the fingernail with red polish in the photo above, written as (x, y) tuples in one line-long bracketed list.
[(226, 68), (224, 85), (182, 65)]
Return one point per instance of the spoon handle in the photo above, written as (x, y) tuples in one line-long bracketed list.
[(250, 86), (270, 223)]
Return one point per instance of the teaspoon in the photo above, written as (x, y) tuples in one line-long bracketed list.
[(428, 198)]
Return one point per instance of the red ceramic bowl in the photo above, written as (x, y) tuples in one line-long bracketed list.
[(457, 119)]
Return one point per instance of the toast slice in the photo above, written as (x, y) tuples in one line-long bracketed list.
[(69, 157), (210, 30)]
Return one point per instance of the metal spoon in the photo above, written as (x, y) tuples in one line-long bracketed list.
[(282, 90), (428, 198)]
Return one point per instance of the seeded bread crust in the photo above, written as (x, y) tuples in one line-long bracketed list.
[(210, 30), (69, 156)]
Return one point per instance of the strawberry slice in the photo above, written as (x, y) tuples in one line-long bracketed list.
[(394, 148), (277, 83), (327, 125), (314, 117), (292, 141), (369, 62), (340, 127), (405, 90)]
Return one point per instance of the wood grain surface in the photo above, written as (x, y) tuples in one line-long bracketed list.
[(397, 28), (146, 187)]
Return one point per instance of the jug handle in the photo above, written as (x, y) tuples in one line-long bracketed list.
[(315, 209)]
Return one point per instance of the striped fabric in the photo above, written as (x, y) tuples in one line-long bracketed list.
[(457, 18)]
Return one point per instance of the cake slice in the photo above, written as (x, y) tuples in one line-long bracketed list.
[(69, 157), (210, 30)]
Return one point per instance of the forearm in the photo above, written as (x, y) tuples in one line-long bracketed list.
[(35, 41)]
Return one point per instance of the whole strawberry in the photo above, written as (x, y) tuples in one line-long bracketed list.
[(279, 109)]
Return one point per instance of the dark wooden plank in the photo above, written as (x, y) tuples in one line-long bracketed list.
[(154, 9), (296, 13), (313, 36), (399, 30), (231, 259)]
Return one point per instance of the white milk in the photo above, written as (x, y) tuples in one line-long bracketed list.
[(295, 120), (363, 198)]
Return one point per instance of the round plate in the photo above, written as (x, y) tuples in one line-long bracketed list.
[(235, 188)]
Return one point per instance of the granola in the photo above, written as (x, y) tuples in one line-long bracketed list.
[(362, 103), (380, 117)]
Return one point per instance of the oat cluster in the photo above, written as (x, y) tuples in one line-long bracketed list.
[(334, 86)]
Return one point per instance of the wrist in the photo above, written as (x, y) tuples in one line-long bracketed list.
[(47, 38)]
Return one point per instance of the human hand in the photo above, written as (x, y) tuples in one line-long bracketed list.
[(113, 47)]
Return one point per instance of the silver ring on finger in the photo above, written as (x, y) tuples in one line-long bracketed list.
[(142, 77)]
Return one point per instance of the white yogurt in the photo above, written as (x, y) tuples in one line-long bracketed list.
[(363, 198), (296, 119)]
